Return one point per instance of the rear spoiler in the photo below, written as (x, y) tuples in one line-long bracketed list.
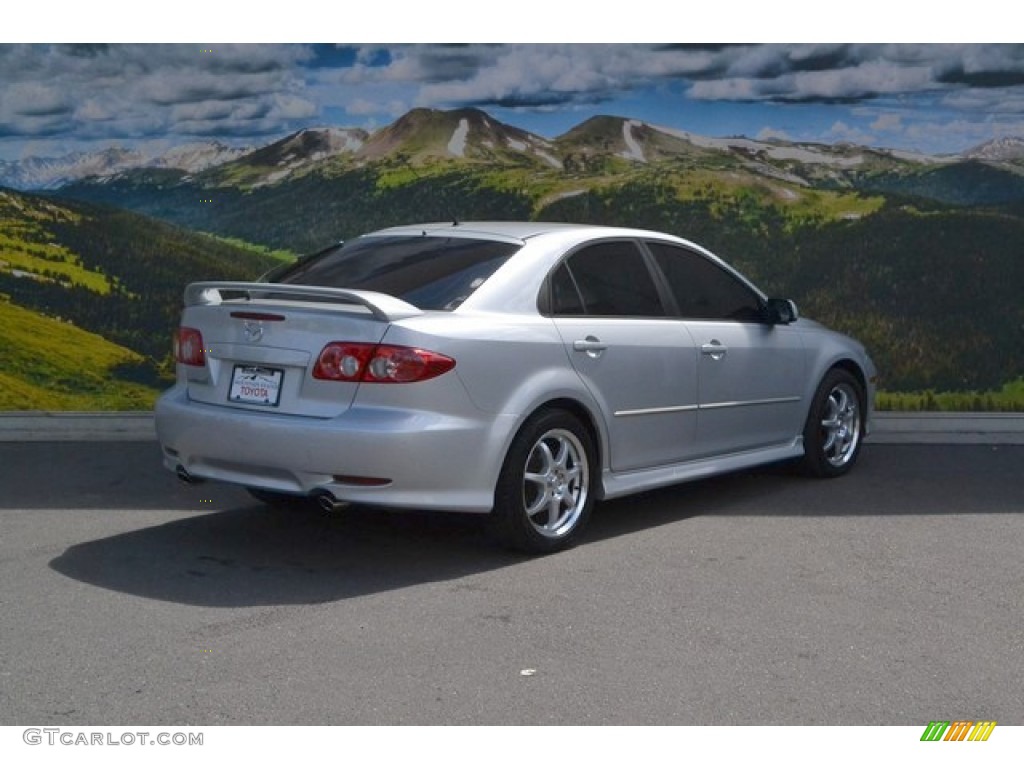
[(382, 306)]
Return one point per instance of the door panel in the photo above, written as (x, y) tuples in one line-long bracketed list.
[(750, 386), (643, 373), (639, 364), (750, 371)]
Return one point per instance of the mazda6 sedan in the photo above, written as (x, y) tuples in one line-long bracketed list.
[(520, 370)]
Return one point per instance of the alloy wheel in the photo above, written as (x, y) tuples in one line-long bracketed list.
[(840, 425), (555, 483)]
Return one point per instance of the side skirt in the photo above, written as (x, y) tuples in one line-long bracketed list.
[(624, 483)]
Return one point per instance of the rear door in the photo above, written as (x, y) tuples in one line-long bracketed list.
[(638, 363)]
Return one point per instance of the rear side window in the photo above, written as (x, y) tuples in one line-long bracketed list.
[(608, 279), (428, 272)]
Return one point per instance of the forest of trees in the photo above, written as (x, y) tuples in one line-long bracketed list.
[(147, 264), (932, 289)]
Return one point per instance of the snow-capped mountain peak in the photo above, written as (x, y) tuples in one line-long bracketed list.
[(1005, 149), (198, 156), (54, 172)]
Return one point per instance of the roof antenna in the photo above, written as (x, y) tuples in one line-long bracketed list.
[(404, 159)]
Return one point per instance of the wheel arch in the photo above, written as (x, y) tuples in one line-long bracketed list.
[(843, 363), (866, 386), (560, 495), (834, 426), (851, 367), (586, 418)]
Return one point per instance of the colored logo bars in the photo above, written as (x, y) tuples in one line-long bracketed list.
[(958, 730)]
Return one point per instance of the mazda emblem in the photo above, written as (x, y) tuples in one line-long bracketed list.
[(253, 330)]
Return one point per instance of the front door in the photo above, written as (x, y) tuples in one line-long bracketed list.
[(750, 385), (750, 372)]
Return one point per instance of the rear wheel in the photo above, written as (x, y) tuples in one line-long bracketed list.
[(545, 491), (835, 426)]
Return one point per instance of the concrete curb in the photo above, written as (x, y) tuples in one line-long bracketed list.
[(61, 426), (889, 427), (948, 428)]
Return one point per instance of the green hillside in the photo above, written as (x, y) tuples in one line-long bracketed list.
[(932, 290), (965, 184), (312, 210), (27, 246), (934, 293), (52, 365), (920, 260), (101, 289)]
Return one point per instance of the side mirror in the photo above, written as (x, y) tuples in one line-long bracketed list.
[(780, 312)]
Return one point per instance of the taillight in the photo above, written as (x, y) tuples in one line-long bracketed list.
[(188, 347), (342, 362), (379, 363)]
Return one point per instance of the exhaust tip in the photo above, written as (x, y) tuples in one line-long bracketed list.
[(185, 477), (328, 502)]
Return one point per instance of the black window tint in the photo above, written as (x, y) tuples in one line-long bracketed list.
[(702, 289), (565, 298), (612, 280), (427, 272)]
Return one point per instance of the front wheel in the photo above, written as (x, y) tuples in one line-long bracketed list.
[(545, 491), (835, 426)]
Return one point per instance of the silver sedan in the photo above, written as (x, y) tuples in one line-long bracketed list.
[(524, 370)]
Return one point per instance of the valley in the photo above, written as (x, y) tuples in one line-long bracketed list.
[(919, 257)]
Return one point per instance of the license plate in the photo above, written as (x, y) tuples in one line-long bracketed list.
[(255, 385)]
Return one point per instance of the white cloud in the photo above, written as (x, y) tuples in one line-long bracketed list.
[(137, 90), (360, 106), (287, 106), (159, 91), (888, 121), (958, 134), (842, 132), (90, 110), (1005, 101), (36, 99), (865, 80), (533, 74), (768, 134), (730, 89)]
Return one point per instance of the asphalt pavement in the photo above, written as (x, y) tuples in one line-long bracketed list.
[(892, 596)]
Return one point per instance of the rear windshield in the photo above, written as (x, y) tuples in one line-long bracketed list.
[(427, 272)]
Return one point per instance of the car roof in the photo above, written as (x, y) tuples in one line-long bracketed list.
[(513, 230)]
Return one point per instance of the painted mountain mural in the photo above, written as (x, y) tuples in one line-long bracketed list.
[(921, 257)]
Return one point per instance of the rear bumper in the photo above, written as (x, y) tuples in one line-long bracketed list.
[(430, 460)]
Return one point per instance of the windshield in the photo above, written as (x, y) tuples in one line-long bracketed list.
[(427, 272)]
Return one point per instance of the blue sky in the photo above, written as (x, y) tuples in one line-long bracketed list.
[(925, 97)]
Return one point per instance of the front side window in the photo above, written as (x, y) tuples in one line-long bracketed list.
[(702, 289), (605, 280), (427, 272)]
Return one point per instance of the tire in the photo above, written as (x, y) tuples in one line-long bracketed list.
[(835, 426), (546, 488)]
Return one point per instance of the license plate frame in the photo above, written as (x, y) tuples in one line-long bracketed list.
[(256, 385)]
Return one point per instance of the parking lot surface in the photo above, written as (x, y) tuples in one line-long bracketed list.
[(892, 596)]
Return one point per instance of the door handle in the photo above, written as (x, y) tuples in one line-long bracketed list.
[(715, 349), (592, 345)]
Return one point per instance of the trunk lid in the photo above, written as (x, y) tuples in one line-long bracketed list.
[(261, 342)]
